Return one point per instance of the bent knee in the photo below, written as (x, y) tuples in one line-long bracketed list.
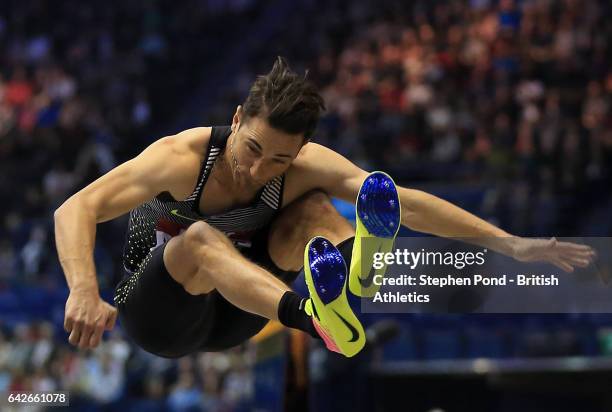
[(190, 257), (197, 284), (316, 198), (199, 233), (313, 204)]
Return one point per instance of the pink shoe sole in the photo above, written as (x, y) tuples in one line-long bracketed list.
[(331, 345)]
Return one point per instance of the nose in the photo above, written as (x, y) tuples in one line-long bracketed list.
[(257, 171)]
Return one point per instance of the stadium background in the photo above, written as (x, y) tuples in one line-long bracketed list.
[(502, 107)]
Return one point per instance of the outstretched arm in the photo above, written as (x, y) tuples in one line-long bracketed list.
[(427, 213), (424, 212)]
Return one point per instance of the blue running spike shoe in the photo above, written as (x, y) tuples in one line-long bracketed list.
[(378, 220), (325, 274)]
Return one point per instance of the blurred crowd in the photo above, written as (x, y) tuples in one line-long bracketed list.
[(514, 92), (119, 376), (77, 82), (510, 95), (509, 84)]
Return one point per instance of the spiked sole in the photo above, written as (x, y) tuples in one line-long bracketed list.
[(326, 277), (378, 220)]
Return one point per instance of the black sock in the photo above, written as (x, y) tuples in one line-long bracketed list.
[(346, 250), (291, 313)]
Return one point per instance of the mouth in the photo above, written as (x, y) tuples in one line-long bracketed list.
[(249, 180), (241, 176)]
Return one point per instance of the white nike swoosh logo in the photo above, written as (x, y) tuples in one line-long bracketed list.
[(176, 213)]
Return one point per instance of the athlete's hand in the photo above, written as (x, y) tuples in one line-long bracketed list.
[(87, 316), (564, 255)]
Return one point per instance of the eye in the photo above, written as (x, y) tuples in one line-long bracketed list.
[(252, 148), (278, 161)]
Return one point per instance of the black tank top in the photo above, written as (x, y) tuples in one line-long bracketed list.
[(156, 221)]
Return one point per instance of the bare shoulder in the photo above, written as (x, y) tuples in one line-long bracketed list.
[(182, 155), (316, 158), (309, 154), (319, 167), (185, 149), (188, 142)]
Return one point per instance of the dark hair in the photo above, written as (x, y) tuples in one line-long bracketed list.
[(289, 102)]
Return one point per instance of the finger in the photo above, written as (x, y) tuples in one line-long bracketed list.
[(75, 335), (562, 265), (581, 263), (575, 247), (578, 253), (577, 256), (585, 256), (96, 336), (85, 336), (576, 262), (68, 324), (112, 318)]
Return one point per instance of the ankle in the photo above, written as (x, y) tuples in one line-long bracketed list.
[(292, 313)]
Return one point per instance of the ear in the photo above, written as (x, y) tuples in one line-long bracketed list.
[(236, 119)]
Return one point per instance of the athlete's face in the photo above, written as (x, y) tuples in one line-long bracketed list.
[(258, 152)]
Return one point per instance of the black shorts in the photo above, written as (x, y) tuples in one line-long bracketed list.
[(162, 318)]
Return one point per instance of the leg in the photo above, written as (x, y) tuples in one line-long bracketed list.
[(308, 216), (157, 313), (202, 259)]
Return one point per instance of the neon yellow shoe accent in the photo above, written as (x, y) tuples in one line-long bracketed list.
[(332, 316), (378, 218)]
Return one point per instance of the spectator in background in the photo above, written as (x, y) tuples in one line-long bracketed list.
[(34, 253), (105, 379), (184, 395)]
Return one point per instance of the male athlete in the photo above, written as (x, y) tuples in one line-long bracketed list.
[(223, 218)]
